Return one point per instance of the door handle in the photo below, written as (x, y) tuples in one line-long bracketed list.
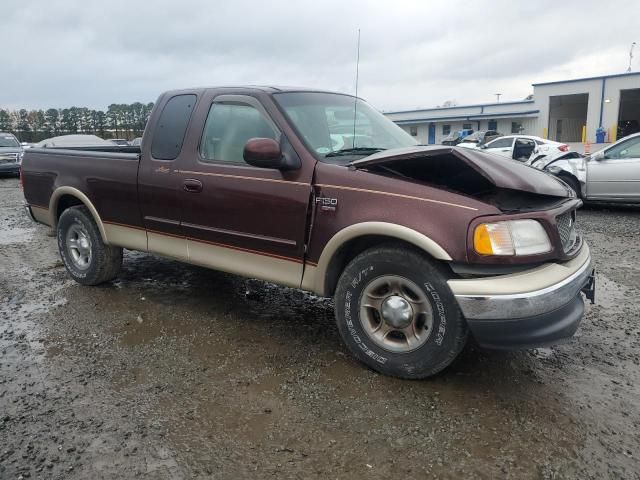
[(192, 185)]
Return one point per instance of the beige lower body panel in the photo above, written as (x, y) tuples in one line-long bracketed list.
[(41, 215), (126, 237), (536, 279), (247, 264), (310, 280), (168, 246)]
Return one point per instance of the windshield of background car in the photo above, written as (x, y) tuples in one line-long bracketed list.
[(474, 137), (338, 128), (8, 141)]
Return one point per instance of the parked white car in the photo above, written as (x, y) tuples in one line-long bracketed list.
[(76, 140), (524, 148), (611, 174)]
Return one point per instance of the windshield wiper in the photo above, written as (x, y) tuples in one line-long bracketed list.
[(354, 151)]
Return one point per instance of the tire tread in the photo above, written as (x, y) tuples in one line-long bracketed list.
[(407, 256)]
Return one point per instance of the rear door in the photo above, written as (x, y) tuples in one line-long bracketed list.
[(617, 174), (158, 180), (523, 148), (501, 146), (236, 217)]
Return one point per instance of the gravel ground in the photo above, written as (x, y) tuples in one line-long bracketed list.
[(173, 371)]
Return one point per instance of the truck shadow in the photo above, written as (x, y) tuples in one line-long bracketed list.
[(298, 322)]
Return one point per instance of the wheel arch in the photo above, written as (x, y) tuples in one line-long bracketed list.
[(352, 240), (65, 197), (567, 174)]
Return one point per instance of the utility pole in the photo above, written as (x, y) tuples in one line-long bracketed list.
[(631, 56), (498, 95)]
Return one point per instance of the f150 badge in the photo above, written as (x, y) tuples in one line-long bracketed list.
[(327, 204)]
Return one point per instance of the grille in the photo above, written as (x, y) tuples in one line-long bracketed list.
[(8, 158), (567, 230)]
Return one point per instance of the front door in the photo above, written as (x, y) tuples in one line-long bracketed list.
[(523, 148), (501, 146), (236, 217), (616, 175), (432, 133)]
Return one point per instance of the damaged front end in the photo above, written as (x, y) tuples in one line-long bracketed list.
[(508, 185)]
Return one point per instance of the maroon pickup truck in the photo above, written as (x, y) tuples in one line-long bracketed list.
[(420, 246)]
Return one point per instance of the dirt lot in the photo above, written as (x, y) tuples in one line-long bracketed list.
[(174, 371)]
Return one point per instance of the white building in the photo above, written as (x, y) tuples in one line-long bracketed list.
[(565, 111)]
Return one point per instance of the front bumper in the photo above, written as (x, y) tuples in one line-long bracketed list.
[(527, 309), (9, 168)]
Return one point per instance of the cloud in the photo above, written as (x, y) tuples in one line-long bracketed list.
[(413, 53)]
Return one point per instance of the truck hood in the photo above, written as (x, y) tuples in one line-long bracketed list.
[(501, 172)]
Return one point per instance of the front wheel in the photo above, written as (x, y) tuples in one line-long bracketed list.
[(86, 257), (397, 314)]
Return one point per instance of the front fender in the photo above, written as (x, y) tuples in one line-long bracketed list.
[(315, 275)]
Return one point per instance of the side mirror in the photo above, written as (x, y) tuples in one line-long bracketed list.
[(263, 153), (598, 156)]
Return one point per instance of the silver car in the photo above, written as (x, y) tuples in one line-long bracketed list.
[(11, 153), (611, 174)]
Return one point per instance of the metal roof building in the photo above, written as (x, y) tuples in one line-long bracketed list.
[(565, 111)]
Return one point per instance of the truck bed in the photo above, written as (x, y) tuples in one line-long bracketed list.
[(108, 176)]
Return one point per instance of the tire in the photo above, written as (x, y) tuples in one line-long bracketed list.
[(573, 183), (380, 273), (86, 257)]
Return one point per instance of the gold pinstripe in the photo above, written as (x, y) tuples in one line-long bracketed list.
[(399, 195), (339, 187), (241, 177)]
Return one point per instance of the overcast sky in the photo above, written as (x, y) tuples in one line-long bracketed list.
[(413, 53)]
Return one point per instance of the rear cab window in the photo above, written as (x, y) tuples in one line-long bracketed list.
[(171, 128)]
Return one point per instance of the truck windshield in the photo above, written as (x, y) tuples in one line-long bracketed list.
[(338, 128), (8, 141)]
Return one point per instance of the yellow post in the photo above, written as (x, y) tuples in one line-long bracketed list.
[(584, 133), (544, 132), (614, 133)]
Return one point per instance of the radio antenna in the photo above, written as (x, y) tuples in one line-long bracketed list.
[(355, 101), (630, 58)]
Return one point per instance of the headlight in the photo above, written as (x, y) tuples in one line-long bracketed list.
[(513, 237)]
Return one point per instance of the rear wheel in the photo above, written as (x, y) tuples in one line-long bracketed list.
[(397, 314), (85, 256)]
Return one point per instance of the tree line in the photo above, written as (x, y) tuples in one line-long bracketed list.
[(120, 120)]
